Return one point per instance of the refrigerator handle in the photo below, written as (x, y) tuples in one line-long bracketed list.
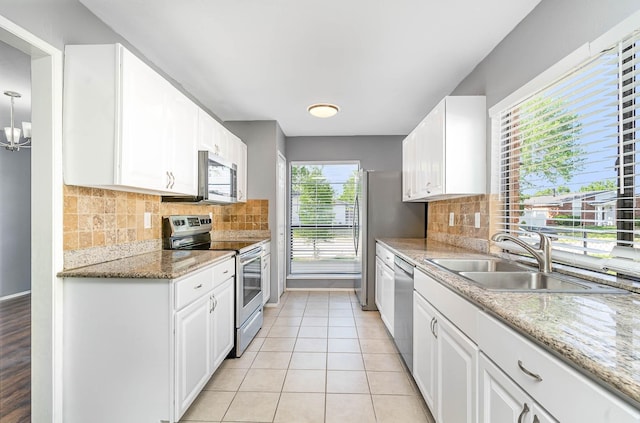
[(356, 223)]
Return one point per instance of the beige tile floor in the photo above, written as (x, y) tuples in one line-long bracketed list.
[(318, 358)]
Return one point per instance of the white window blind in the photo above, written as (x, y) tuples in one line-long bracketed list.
[(568, 160), (322, 217)]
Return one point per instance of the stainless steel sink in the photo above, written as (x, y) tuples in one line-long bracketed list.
[(480, 265), (536, 282)]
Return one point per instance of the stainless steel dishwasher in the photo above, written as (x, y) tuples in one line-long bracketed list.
[(403, 306)]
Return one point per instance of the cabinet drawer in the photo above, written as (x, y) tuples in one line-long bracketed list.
[(193, 286), (224, 270), (559, 386), (385, 255), (459, 311)]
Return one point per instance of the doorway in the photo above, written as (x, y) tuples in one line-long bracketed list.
[(281, 216), (46, 220)]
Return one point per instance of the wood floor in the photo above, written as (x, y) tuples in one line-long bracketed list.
[(15, 360)]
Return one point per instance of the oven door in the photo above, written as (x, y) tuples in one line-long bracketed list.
[(248, 287)]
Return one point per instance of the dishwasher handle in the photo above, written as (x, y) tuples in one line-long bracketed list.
[(403, 265)]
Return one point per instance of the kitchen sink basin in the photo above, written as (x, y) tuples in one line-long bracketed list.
[(480, 265), (536, 282)]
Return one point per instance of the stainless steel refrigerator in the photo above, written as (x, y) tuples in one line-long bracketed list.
[(380, 213)]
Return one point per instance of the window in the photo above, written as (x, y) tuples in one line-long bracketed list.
[(567, 160), (322, 218)]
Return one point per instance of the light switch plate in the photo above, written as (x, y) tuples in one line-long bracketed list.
[(147, 220), (451, 218), (477, 219)]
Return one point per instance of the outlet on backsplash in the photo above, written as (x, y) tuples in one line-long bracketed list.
[(460, 221)]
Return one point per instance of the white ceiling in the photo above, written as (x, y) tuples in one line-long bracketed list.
[(384, 62)]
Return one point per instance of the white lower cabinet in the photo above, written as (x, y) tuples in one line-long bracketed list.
[(444, 365), (265, 273), (141, 350), (501, 400), (470, 367), (193, 351), (385, 286), (457, 363), (568, 395), (424, 348), (222, 322)]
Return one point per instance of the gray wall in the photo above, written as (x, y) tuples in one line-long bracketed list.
[(263, 139), (374, 152), (550, 32), (15, 177)]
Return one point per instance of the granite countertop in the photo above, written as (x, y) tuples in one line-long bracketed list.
[(598, 334), (161, 264)]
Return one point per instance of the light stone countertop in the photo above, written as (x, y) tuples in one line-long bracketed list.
[(598, 334), (161, 264)]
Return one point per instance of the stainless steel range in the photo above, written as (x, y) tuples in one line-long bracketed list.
[(194, 233)]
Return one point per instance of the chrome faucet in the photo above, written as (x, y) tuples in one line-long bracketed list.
[(542, 255)]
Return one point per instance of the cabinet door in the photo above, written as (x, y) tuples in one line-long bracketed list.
[(420, 152), (431, 151), (222, 142), (409, 168), (424, 349), (142, 139), (193, 352), (242, 171), (457, 359), (223, 323), (182, 129), (388, 295), (501, 400), (379, 284), (265, 276), (207, 127)]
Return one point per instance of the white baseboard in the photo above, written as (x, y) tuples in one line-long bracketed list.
[(16, 295)]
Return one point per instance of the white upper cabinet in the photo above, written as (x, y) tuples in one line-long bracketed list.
[(444, 156), (125, 127), (214, 137)]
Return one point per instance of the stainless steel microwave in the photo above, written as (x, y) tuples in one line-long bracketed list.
[(217, 181)]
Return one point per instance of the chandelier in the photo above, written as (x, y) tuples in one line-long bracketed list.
[(13, 134)]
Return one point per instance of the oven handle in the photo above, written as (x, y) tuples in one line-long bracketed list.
[(249, 257)]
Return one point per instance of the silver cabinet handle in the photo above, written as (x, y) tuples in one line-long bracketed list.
[(523, 413), (215, 303), (225, 272), (528, 372), (168, 179), (433, 327), (173, 179), (197, 286)]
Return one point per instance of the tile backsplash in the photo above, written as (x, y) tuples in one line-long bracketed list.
[(463, 232), (98, 218)]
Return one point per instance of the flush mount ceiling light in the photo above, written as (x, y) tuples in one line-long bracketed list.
[(323, 110)]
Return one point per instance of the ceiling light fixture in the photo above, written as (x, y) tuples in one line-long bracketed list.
[(12, 133), (323, 110)]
